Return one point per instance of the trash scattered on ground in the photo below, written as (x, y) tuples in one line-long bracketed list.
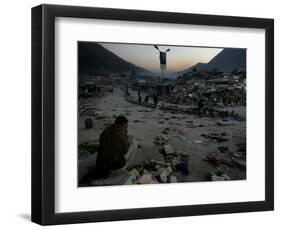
[(211, 158), (223, 149), (198, 141), (135, 173), (86, 149), (224, 124), (216, 137), (219, 176), (241, 148), (138, 121), (162, 163), (182, 124), (101, 117), (174, 132), (160, 140), (173, 179), (168, 149), (145, 179), (230, 159), (235, 163), (154, 171), (192, 124), (227, 119), (162, 175)]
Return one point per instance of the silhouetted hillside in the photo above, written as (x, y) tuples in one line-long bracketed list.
[(227, 60), (95, 59)]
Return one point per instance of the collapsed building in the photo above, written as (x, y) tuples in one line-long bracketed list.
[(95, 86), (153, 87), (216, 90)]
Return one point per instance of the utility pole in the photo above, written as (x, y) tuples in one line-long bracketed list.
[(162, 57)]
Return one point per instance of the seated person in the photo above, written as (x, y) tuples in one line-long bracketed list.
[(116, 150)]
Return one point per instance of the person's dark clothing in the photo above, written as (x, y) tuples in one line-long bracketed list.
[(146, 99), (155, 100), (200, 104), (113, 146), (140, 99)]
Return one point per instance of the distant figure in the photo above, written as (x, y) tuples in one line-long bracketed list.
[(200, 105), (127, 90), (116, 150), (232, 105), (139, 99), (146, 99), (155, 99), (89, 123)]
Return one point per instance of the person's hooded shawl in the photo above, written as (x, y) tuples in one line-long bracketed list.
[(113, 145)]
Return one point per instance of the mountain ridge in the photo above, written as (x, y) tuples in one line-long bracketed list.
[(227, 60), (94, 59)]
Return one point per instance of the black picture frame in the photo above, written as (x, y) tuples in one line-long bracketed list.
[(43, 114)]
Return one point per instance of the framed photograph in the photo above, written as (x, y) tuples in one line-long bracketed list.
[(144, 114)]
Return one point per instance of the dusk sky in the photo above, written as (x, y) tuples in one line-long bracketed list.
[(146, 56)]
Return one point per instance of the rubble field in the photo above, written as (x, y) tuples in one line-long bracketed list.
[(176, 143)]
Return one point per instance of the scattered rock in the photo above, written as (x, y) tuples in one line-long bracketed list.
[(145, 171), (227, 119), (101, 117), (215, 137), (173, 179), (211, 158), (224, 124), (169, 149), (131, 180), (222, 177), (217, 178), (160, 140), (175, 162), (145, 179), (226, 177), (163, 175), (241, 147), (223, 149), (181, 137), (160, 163), (135, 172), (169, 170)]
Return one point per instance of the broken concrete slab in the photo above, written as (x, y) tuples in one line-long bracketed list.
[(169, 149), (135, 172), (173, 179), (215, 137), (217, 178), (145, 179)]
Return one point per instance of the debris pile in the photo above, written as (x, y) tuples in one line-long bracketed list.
[(215, 137), (213, 89), (174, 132), (225, 156), (160, 140), (219, 176), (87, 149), (154, 172)]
